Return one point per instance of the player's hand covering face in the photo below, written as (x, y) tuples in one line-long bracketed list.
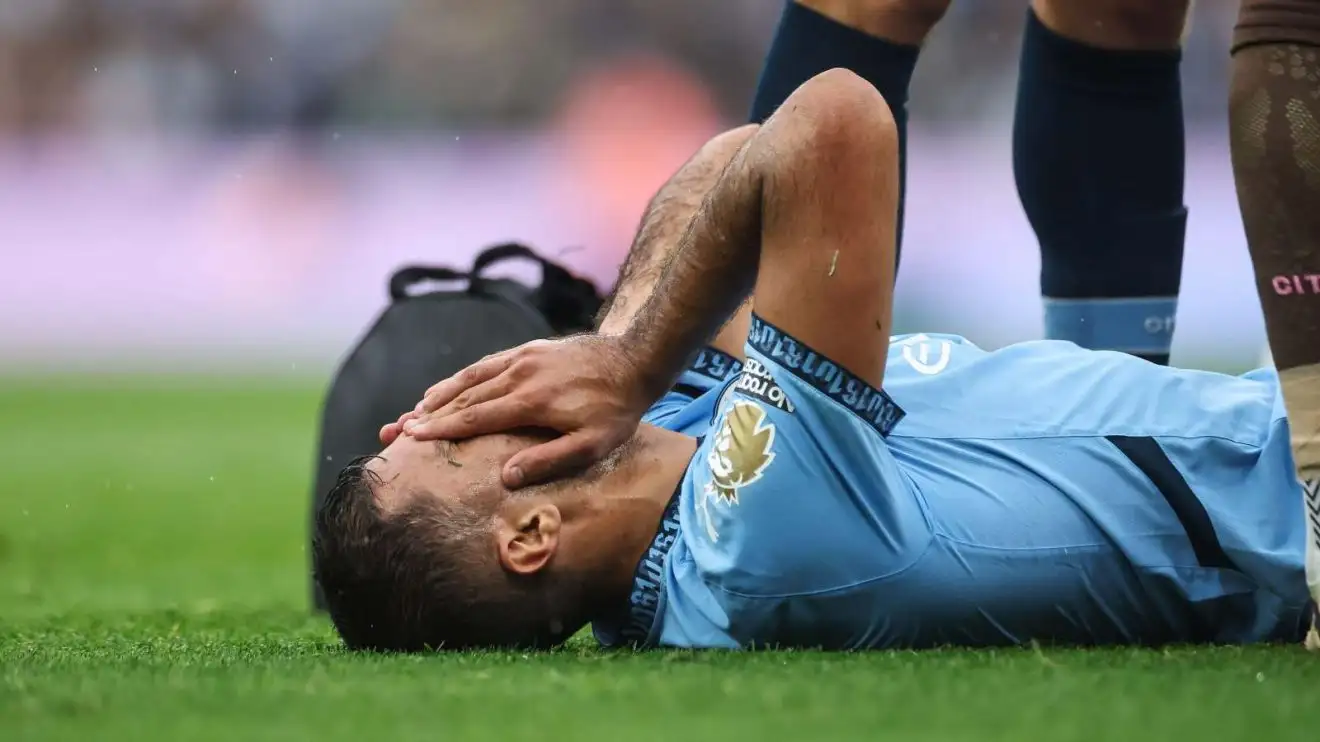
[(588, 388)]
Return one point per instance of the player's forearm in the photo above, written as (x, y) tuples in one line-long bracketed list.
[(656, 242), (663, 225), (708, 277)]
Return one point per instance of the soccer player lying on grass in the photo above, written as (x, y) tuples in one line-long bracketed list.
[(1042, 492)]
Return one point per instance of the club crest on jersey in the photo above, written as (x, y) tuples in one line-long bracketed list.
[(925, 355), (741, 451)]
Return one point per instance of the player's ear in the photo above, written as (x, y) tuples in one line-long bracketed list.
[(528, 535)]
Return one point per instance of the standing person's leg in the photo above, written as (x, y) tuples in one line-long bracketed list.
[(1274, 118), (1098, 156), (878, 40)]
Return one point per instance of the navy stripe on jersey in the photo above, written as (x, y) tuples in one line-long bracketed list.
[(649, 577), (710, 364), (715, 365), (872, 405), (1145, 453)]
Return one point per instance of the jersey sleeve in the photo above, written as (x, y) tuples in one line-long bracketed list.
[(795, 489)]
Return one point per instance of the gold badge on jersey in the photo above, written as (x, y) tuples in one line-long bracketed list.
[(741, 451)]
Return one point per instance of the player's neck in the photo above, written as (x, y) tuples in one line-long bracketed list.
[(625, 505)]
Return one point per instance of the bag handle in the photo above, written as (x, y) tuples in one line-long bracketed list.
[(508, 251), (568, 302), (555, 278), (553, 275), (407, 278)]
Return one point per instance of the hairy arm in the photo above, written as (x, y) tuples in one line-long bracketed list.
[(804, 220), (812, 191), (663, 224), (664, 228), (709, 275), (483, 392)]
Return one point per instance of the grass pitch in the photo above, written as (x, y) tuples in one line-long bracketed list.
[(153, 586)]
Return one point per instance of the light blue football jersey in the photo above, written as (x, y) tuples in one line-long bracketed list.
[(688, 406), (1040, 492)]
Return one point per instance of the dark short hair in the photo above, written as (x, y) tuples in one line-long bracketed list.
[(425, 577)]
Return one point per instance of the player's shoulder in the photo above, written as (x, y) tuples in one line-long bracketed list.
[(778, 487)]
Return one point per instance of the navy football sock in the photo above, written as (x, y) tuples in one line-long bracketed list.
[(1098, 155), (808, 43)]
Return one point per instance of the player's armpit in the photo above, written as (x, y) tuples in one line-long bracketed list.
[(829, 208), (732, 337)]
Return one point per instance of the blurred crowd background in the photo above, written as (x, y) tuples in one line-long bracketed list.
[(192, 182)]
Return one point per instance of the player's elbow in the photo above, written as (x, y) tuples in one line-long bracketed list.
[(842, 118), (722, 147)]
